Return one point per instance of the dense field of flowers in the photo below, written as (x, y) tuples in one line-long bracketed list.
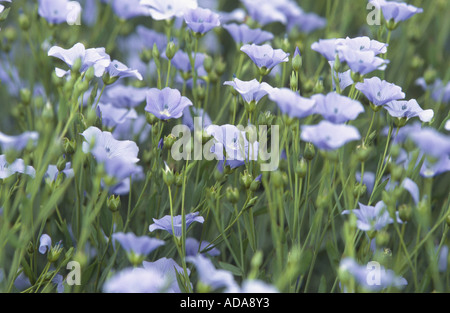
[(224, 146)]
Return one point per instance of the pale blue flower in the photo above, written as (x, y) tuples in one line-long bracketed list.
[(168, 9), (167, 103), (19, 142), (380, 92), (169, 269), (165, 223), (243, 34), (264, 56), (329, 136), (291, 103), (336, 108), (18, 166), (201, 20), (136, 280), (139, 245)]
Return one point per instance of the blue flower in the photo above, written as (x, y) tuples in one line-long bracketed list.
[(169, 269), (112, 116), (250, 90), (122, 96), (18, 143), (188, 120), (212, 277), (291, 103), (201, 20), (329, 136), (265, 57), (120, 70), (141, 246), (181, 61), (18, 166), (327, 48), (167, 103), (407, 110), (165, 223), (396, 11), (363, 278), (243, 34), (127, 9), (45, 244), (306, 22), (167, 9), (361, 61), (136, 280), (336, 108), (59, 11), (372, 218), (264, 12), (133, 129), (94, 57), (380, 92), (149, 37)]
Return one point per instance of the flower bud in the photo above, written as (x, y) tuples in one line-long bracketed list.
[(293, 83), (151, 119), (168, 176), (430, 75), (405, 212), (220, 67), (113, 203), (232, 194), (246, 179), (10, 34), (25, 96), (310, 151), (24, 22), (169, 141), (90, 74), (301, 168), (61, 164), (382, 238), (208, 64), (55, 252), (277, 178), (363, 153), (171, 49), (146, 55), (76, 65), (318, 88), (297, 63)]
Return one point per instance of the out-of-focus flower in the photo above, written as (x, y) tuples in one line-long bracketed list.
[(140, 246), (133, 129), (336, 108), (329, 136), (291, 103), (53, 172), (243, 34), (372, 218), (59, 11), (112, 116), (168, 268), (439, 91), (122, 96), (136, 280), (264, 12), (360, 61), (181, 61), (167, 103), (18, 143), (212, 277), (408, 109), (363, 277), (201, 20), (188, 119), (396, 11), (127, 9), (45, 244), (306, 22), (257, 286), (167, 9), (165, 223), (149, 37), (18, 166)]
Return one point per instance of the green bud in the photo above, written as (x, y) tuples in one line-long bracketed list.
[(213, 77), (151, 119), (24, 22), (310, 151), (178, 179), (55, 252), (430, 75), (308, 86), (391, 25), (359, 190), (232, 194), (277, 178), (301, 168), (263, 71), (10, 34), (337, 64), (400, 122), (293, 83), (109, 80), (266, 118), (47, 113), (146, 55), (155, 53), (113, 203), (382, 238), (246, 179), (169, 141), (297, 63), (201, 92), (76, 65), (318, 88), (25, 96), (220, 67), (395, 151), (168, 176), (375, 108), (363, 153), (405, 212), (357, 78), (255, 185), (416, 62), (61, 164), (396, 172), (90, 74), (171, 49), (250, 106), (30, 248), (208, 64)]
